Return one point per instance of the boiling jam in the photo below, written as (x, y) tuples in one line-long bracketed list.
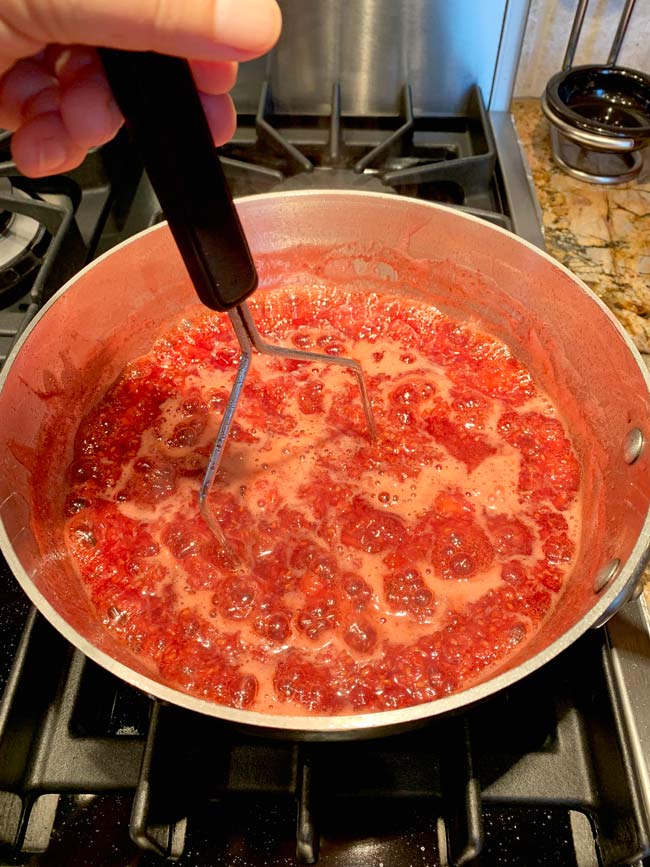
[(361, 574)]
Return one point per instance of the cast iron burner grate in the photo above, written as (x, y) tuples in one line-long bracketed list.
[(40, 247), (446, 158), (537, 775), (56, 223)]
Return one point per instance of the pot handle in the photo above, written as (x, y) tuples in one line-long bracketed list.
[(165, 118)]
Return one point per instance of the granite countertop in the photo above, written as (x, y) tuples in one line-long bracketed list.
[(601, 233)]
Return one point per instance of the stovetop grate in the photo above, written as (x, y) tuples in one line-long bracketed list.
[(58, 255), (450, 159), (445, 158), (537, 770)]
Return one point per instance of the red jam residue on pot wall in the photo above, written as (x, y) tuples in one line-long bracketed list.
[(368, 575)]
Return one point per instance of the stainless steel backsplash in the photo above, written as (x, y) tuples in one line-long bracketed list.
[(372, 47)]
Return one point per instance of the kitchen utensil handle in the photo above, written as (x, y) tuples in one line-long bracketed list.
[(621, 30), (576, 29), (164, 115), (574, 36)]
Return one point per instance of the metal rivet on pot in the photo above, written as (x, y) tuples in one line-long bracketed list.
[(605, 575), (633, 445)]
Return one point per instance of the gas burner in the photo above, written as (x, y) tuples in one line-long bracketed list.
[(334, 179), (448, 159), (40, 246), (21, 239)]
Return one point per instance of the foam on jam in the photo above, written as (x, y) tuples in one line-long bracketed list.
[(362, 575)]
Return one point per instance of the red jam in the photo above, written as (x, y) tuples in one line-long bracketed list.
[(363, 574)]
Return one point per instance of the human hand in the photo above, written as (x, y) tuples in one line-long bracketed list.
[(53, 91)]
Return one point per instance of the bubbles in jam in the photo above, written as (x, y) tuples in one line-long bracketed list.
[(362, 575)]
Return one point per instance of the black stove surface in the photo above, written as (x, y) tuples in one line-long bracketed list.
[(94, 772), (537, 775), (449, 159)]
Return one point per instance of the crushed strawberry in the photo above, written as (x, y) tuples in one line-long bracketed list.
[(388, 577)]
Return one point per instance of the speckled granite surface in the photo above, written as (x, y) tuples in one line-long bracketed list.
[(600, 233)]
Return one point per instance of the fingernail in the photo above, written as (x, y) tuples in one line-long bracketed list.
[(71, 61), (247, 24), (50, 155)]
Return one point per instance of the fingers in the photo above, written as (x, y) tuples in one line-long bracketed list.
[(252, 27), (221, 116), (25, 81), (57, 99), (87, 107), (61, 106), (215, 78), (200, 30), (88, 110), (43, 146)]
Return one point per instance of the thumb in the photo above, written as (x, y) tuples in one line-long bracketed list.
[(198, 29), (58, 100)]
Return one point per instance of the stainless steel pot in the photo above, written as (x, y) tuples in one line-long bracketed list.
[(112, 310)]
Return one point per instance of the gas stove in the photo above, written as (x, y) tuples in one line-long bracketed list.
[(553, 771), (446, 158), (549, 772)]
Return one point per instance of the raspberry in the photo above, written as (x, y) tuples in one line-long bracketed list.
[(153, 479), (513, 572), (184, 537), (310, 684), (549, 472), (187, 433), (308, 557), (310, 398), (277, 627), (242, 690), (358, 590)]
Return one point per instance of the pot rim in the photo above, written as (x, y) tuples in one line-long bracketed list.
[(379, 722)]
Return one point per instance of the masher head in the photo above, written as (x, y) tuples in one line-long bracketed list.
[(249, 338)]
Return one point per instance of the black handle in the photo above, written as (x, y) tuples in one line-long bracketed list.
[(163, 112)]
